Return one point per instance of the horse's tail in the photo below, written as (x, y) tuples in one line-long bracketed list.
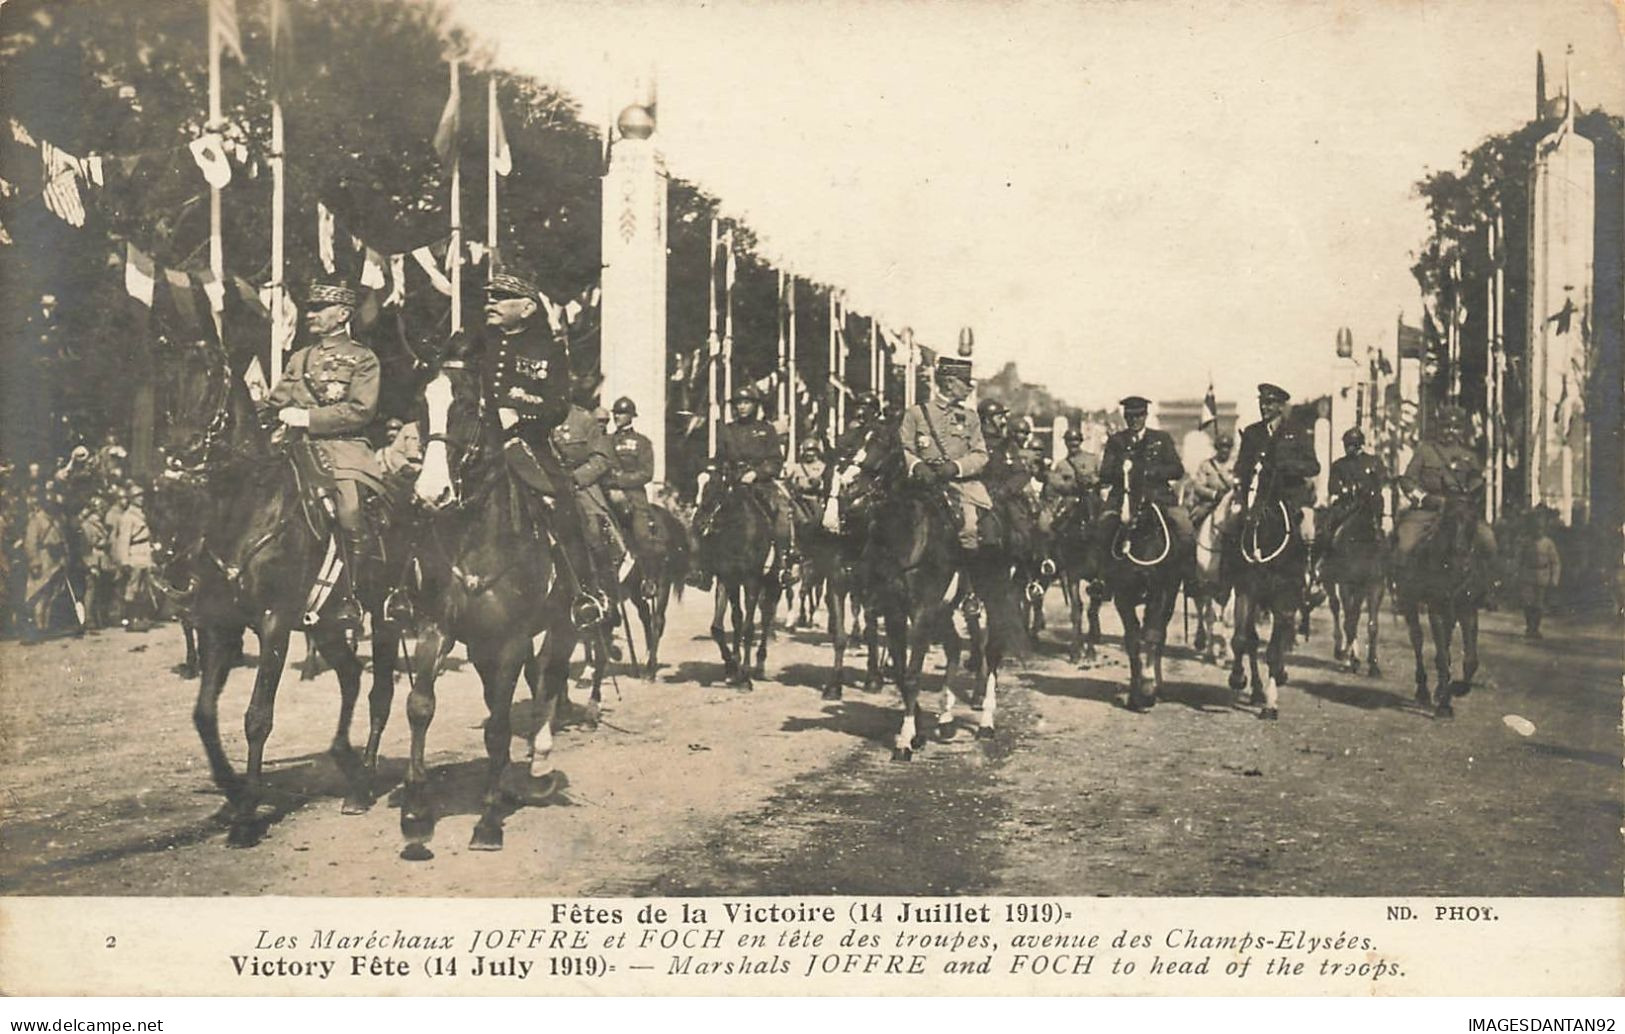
[(1007, 631)]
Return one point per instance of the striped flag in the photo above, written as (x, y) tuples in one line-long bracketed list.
[(501, 155), (445, 134), (140, 275), (223, 16), (1210, 408)]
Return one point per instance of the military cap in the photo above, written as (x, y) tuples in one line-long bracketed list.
[(625, 405), (747, 393), (324, 293), (512, 283), (1135, 404), (812, 447), (1225, 438), (1354, 436), (950, 366), (1273, 393)]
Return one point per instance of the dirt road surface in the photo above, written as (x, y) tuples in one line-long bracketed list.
[(688, 787)]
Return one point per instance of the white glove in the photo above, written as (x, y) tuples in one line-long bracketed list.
[(507, 418), (748, 478), (293, 416)]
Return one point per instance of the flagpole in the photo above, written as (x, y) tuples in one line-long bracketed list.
[(217, 258), (876, 383), (911, 369), (727, 323), (491, 182), (790, 374), (278, 255), (832, 406), (713, 347), (456, 268), (841, 389)]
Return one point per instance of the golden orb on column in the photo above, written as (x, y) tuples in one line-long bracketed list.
[(635, 122)]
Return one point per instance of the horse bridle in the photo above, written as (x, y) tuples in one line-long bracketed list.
[(457, 454), (194, 458)]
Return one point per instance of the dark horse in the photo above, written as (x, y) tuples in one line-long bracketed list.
[(234, 513), (1269, 559), (1444, 576), (1145, 566), (735, 544), (486, 580), (1080, 570), (834, 547), (659, 542), (1355, 568), (917, 580)]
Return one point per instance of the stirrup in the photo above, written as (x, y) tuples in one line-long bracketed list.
[(347, 612), (588, 611)]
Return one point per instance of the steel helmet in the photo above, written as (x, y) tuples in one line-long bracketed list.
[(624, 405), (989, 408)]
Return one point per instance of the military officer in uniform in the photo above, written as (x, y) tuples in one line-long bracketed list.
[(1075, 473), (634, 464), (1277, 453), (1143, 465), (1355, 476), (1006, 472), (527, 384), (588, 455), (860, 433), (1213, 478), (330, 391), (1442, 466), (748, 453), (943, 444)]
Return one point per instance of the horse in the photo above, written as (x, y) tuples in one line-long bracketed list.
[(485, 579), (1208, 585), (735, 545), (660, 546), (834, 548), (1077, 560), (1443, 575), (1269, 558), (1145, 566), (234, 513), (1355, 567), (918, 579)]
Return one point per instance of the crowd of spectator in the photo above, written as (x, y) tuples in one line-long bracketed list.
[(78, 550)]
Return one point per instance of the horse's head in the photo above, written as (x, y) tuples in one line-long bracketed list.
[(451, 405), (204, 404)]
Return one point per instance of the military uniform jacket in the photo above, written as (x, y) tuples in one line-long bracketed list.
[(337, 381), (1354, 476), (1443, 469), (853, 440), (529, 373), (749, 445), (583, 447), (1211, 480), (634, 461), (1155, 463), (1287, 455), (1006, 473), (936, 430), (807, 476), (1074, 474)]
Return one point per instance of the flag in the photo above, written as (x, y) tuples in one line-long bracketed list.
[(502, 157), (1409, 342), (372, 271), (184, 299), (445, 134), (61, 197), (223, 16), (209, 152), (140, 275), (281, 48), (425, 259), (1210, 408), (397, 281), (325, 229)]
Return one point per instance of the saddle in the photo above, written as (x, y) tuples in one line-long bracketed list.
[(381, 500)]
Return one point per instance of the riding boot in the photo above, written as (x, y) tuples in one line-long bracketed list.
[(590, 607), (347, 611)]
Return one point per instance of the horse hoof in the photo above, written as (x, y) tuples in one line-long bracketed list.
[(744, 686), (188, 671), (590, 714), (946, 731), (243, 834), (1256, 699), (356, 804), (1460, 689), (985, 732), (919, 741), (1338, 653), (536, 791), (1423, 697), (874, 685), (831, 693), (1372, 671), (1281, 679), (1238, 681), (1354, 665), (902, 754), (416, 853), (487, 836), (1200, 642), (1444, 710), (759, 672), (1270, 714), (417, 827)]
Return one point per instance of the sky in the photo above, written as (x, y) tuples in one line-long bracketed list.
[(1122, 197)]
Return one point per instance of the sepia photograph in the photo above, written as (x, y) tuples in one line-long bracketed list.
[(927, 498)]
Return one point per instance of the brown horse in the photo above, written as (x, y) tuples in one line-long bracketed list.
[(1079, 570), (1269, 559), (735, 546), (487, 579), (1446, 576), (1145, 566), (1355, 568), (234, 514)]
